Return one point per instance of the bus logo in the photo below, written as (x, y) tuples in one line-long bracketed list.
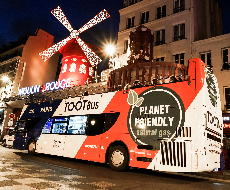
[(154, 115)]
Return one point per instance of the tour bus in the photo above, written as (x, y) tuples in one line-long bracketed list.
[(175, 126)]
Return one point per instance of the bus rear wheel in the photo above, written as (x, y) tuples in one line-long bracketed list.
[(32, 146), (118, 158)]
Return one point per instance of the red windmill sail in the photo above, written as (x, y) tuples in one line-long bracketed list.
[(81, 68)]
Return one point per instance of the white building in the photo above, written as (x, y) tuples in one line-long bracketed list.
[(183, 29)]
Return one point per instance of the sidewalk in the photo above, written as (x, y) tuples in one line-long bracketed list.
[(222, 175)]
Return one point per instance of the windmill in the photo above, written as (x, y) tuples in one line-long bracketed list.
[(79, 60)]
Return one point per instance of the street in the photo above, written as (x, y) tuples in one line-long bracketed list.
[(19, 170)]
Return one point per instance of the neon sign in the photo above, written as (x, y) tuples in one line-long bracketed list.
[(48, 87)]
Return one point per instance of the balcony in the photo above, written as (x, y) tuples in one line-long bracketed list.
[(143, 21), (226, 66), (177, 38), (159, 43), (146, 73), (130, 2), (179, 9)]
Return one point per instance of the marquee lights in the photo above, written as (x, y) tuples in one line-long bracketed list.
[(92, 57), (98, 18), (64, 68), (72, 67), (58, 13), (82, 69), (91, 71), (50, 86), (45, 55)]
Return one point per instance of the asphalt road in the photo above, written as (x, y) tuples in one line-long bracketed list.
[(18, 170)]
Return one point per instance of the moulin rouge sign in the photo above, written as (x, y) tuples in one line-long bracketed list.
[(65, 83)]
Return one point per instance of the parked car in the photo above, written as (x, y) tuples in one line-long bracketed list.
[(9, 138)]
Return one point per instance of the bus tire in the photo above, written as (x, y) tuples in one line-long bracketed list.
[(4, 143), (32, 146), (118, 158)]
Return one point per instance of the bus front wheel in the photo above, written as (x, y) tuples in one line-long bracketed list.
[(32, 146), (4, 143), (118, 158)]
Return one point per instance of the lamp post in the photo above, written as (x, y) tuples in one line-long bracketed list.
[(5, 79), (110, 49)]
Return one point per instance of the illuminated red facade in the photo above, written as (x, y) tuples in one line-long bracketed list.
[(75, 64)]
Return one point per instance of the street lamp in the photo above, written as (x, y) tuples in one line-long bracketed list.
[(5, 78), (110, 49)]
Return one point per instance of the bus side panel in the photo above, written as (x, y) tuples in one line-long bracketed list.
[(72, 145), (20, 141), (90, 149)]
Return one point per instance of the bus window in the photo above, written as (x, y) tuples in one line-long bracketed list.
[(20, 126), (95, 124), (59, 127), (25, 126), (47, 126), (110, 119), (61, 119), (77, 125), (30, 123)]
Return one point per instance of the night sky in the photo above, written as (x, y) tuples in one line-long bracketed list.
[(17, 17)]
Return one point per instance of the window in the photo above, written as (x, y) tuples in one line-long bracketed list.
[(227, 98), (25, 126), (226, 61), (100, 123), (206, 58), (126, 43), (144, 17), (130, 22), (179, 58), (161, 12), (92, 124), (60, 125), (77, 125), (47, 126), (161, 59), (160, 37), (179, 5), (133, 2), (179, 32), (20, 126)]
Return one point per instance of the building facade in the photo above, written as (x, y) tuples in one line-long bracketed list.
[(174, 23), (21, 66)]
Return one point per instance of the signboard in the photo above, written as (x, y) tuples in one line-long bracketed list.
[(154, 115), (12, 116), (64, 83)]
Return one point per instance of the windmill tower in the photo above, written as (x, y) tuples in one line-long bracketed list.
[(79, 61)]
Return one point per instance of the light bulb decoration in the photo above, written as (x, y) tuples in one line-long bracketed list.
[(75, 51), (58, 13)]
